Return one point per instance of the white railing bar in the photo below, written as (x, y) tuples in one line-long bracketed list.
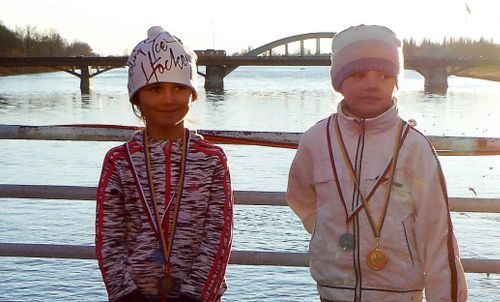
[(471, 265), (88, 252), (446, 145), (122, 133), (457, 204)]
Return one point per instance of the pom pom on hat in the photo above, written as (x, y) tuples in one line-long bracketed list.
[(161, 58), (365, 47)]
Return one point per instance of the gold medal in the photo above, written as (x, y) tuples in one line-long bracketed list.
[(167, 284), (376, 259)]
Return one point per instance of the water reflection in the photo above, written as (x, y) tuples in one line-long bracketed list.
[(4, 100), (85, 99), (436, 90), (434, 96), (215, 95)]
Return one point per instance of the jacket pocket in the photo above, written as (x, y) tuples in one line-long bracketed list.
[(398, 231), (410, 240), (401, 203), (324, 184)]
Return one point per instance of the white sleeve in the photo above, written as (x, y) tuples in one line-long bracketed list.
[(436, 242), (301, 194)]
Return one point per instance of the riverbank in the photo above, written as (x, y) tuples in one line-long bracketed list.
[(9, 71), (491, 73)]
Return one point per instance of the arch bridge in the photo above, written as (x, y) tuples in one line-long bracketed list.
[(264, 54)]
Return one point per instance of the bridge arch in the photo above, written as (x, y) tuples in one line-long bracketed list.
[(297, 38), (267, 48)]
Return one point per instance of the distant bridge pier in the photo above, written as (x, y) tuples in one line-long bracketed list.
[(436, 80), (435, 72), (215, 71), (214, 77), (85, 75)]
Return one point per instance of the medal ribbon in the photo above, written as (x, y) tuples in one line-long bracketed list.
[(167, 246), (397, 146), (141, 191), (334, 171)]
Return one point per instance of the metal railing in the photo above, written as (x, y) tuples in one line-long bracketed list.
[(444, 145)]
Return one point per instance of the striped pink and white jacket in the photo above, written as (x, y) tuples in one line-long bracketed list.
[(127, 249)]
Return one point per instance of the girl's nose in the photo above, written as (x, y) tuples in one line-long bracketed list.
[(168, 95), (371, 81)]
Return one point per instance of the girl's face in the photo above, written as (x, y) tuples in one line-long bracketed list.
[(164, 106), (368, 93)]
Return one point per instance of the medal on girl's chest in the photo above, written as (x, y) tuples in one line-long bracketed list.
[(167, 284), (376, 259), (157, 257), (346, 241)]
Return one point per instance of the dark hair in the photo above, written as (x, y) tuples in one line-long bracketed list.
[(134, 101)]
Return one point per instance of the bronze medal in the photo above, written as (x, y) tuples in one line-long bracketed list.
[(376, 259), (166, 285)]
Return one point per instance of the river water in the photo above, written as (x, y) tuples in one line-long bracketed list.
[(255, 98)]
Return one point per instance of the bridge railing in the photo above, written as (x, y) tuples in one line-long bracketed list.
[(444, 145)]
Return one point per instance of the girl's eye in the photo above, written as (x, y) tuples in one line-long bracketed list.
[(154, 88), (180, 87), (359, 75)]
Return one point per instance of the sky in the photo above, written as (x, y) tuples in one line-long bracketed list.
[(115, 27)]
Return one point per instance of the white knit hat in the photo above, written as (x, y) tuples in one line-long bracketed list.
[(161, 58), (365, 47)]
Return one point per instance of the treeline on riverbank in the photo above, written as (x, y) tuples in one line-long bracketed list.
[(452, 48), (461, 48), (30, 42)]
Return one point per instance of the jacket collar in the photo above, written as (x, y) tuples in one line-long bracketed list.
[(138, 137), (379, 123)]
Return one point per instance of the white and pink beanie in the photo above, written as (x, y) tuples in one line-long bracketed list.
[(365, 47), (161, 58)]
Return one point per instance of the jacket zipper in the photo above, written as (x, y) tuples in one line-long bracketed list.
[(356, 201)]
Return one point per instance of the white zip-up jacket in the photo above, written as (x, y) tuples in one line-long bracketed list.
[(417, 233)]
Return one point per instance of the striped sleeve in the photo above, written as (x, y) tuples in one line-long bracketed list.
[(111, 251), (207, 276)]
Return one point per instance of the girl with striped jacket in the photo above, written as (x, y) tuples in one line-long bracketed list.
[(164, 202)]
